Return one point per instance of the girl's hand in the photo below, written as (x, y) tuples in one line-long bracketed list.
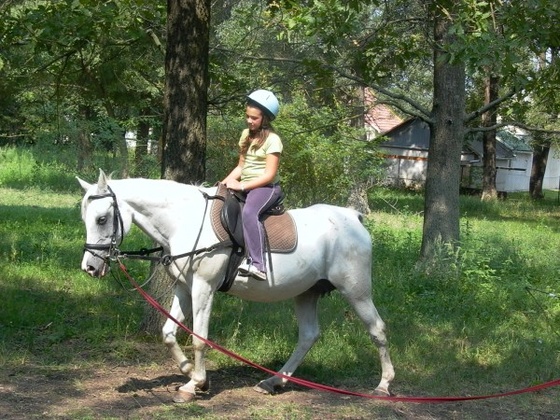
[(233, 184)]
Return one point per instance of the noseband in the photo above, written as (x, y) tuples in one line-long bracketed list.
[(111, 247)]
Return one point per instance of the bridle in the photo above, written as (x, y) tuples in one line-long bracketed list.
[(113, 247)]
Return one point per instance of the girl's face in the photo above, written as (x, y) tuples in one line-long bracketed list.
[(253, 117)]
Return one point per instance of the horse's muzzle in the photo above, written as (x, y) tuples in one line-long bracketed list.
[(94, 264), (96, 271)]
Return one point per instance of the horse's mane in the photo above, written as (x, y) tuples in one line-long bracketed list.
[(195, 184), (157, 186)]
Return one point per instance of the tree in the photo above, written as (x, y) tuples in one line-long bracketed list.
[(517, 57), (489, 120), (441, 206), (535, 44), (542, 141), (63, 60), (371, 64), (185, 107)]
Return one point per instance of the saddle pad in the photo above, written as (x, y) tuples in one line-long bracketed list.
[(281, 232)]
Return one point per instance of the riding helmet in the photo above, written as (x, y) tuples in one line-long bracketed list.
[(265, 100)]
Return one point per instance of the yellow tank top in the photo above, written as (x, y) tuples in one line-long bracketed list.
[(255, 160)]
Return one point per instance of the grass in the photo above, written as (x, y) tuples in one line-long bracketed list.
[(484, 320)]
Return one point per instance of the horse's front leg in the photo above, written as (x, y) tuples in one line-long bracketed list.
[(180, 309), (202, 297)]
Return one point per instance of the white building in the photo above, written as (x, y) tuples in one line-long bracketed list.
[(407, 156)]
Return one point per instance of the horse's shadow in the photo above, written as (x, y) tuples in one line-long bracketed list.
[(220, 380), (165, 381)]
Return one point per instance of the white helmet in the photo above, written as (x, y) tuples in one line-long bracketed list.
[(265, 100)]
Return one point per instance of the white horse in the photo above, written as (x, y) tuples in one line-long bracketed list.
[(332, 245)]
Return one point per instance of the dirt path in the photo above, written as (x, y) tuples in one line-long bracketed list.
[(144, 392)]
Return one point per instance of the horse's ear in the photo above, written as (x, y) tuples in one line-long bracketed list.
[(102, 182), (85, 185)]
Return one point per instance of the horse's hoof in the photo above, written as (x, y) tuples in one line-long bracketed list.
[(264, 388), (382, 392), (182, 397)]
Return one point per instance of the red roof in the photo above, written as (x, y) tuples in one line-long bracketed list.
[(379, 116)]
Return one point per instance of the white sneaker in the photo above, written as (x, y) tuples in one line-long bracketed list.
[(257, 274), (246, 270)]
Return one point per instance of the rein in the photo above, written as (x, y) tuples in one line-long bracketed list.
[(115, 253), (167, 259)]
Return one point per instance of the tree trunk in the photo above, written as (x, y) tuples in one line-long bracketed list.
[(358, 196), (538, 168), (161, 289), (122, 147), (119, 143), (84, 147), (185, 108), (489, 190), (441, 207), (141, 149), (541, 142), (185, 99)]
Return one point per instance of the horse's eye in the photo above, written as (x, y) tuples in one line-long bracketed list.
[(102, 220)]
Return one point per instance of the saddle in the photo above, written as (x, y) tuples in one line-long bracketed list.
[(281, 233), (225, 213)]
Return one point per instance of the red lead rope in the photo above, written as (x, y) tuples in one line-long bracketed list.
[(314, 385)]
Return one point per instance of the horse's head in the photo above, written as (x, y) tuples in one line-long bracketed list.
[(106, 225)]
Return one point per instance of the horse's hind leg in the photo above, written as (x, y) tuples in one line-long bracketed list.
[(306, 313), (366, 311)]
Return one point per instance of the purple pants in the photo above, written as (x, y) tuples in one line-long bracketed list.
[(257, 202)]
